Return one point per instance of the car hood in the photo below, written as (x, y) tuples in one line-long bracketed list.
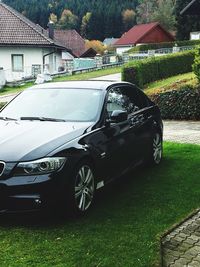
[(29, 140)]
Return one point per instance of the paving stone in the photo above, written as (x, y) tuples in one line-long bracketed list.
[(193, 251), (194, 237), (181, 247), (174, 253), (184, 236), (190, 241), (169, 259), (181, 262), (193, 264)]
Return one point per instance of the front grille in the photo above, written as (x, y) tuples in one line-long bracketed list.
[(2, 167)]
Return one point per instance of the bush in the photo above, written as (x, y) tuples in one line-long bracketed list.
[(155, 46), (196, 65), (141, 72), (182, 104)]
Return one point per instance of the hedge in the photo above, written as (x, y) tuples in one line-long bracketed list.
[(182, 104), (141, 72), (155, 46)]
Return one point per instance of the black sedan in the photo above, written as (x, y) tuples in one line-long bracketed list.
[(61, 142)]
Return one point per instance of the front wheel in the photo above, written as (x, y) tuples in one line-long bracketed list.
[(82, 188), (156, 149)]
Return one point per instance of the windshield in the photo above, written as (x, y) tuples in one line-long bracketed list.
[(61, 104)]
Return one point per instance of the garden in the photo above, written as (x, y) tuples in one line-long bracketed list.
[(170, 83), (131, 214)]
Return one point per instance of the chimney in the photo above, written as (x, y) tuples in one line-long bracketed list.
[(51, 29)]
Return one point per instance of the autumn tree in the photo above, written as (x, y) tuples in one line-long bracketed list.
[(85, 24), (128, 18), (96, 45), (53, 18), (67, 20)]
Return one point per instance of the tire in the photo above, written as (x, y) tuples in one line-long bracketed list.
[(82, 188), (156, 149)]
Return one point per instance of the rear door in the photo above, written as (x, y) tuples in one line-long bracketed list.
[(140, 119)]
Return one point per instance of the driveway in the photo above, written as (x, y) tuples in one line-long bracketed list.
[(111, 77), (182, 131), (7, 98)]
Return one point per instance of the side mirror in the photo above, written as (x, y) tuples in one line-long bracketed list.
[(118, 116)]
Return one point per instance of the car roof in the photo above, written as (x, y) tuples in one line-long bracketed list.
[(91, 84)]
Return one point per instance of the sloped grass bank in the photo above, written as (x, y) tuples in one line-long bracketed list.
[(124, 227), (178, 97)]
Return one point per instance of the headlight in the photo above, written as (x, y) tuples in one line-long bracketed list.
[(40, 166)]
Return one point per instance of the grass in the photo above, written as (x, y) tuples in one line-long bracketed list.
[(170, 83), (124, 227), (84, 76)]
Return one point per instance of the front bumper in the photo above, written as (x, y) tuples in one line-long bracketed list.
[(28, 193)]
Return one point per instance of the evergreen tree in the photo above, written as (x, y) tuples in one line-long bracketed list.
[(164, 13)]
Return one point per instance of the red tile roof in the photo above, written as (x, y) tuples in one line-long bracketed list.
[(72, 40), (136, 34)]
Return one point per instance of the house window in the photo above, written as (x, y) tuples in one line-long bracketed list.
[(18, 63)]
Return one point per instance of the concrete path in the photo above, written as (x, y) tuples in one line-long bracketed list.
[(7, 98), (111, 77)]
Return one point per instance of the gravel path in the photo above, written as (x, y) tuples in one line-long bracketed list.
[(182, 131)]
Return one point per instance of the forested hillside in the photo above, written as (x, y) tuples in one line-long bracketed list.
[(97, 19), (106, 15)]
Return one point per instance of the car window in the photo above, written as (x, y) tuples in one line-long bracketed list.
[(123, 98), (144, 101), (74, 104)]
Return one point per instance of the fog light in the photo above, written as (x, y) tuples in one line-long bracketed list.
[(38, 201)]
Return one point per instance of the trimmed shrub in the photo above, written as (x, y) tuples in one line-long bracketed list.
[(196, 65), (182, 104), (155, 46), (141, 72)]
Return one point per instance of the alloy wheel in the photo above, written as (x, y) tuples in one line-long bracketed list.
[(84, 188), (157, 148)]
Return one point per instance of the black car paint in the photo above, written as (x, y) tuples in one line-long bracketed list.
[(107, 145)]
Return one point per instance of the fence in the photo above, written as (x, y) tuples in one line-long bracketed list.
[(80, 65)]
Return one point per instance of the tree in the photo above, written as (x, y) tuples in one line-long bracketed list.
[(165, 14), (105, 20), (185, 24), (96, 45), (67, 20), (128, 18), (85, 24), (145, 10), (53, 18)]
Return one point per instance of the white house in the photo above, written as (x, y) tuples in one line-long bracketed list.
[(25, 48)]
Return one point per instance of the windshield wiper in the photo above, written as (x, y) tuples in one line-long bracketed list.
[(39, 119), (7, 119)]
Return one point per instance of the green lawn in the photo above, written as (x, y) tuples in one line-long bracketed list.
[(84, 76), (122, 230), (170, 83)]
